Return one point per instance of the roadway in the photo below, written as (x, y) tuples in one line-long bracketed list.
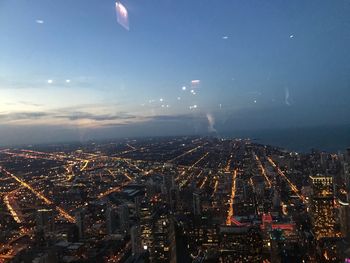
[(39, 195), (263, 171), (291, 185), (233, 194)]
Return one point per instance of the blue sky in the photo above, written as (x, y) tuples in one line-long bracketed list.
[(68, 70)]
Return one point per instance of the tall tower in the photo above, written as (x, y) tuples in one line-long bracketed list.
[(123, 218), (162, 242), (344, 219), (169, 181), (346, 169), (322, 206), (135, 240), (146, 215), (169, 190), (346, 174), (111, 220), (45, 220), (197, 206), (79, 218)]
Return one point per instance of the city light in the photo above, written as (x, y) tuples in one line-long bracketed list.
[(188, 179)]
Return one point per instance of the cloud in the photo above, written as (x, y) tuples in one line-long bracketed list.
[(28, 103), (85, 122), (22, 116), (63, 125), (73, 116)]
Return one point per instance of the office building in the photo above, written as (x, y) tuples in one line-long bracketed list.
[(322, 206)]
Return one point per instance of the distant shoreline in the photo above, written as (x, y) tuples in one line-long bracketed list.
[(300, 139), (303, 139)]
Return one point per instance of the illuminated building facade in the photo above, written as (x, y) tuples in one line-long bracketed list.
[(161, 248), (146, 215), (322, 207), (203, 232), (240, 244)]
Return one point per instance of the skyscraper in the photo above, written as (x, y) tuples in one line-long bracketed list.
[(123, 218), (344, 219), (240, 244), (79, 218), (146, 215), (197, 206), (169, 181), (322, 206), (161, 242), (45, 220), (111, 220), (346, 174), (135, 240)]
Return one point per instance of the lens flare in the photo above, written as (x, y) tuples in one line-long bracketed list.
[(122, 15)]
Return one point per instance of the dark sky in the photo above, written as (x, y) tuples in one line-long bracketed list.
[(96, 68)]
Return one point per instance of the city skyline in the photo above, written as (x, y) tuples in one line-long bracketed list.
[(180, 199), (74, 71)]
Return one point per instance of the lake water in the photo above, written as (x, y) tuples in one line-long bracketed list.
[(325, 138)]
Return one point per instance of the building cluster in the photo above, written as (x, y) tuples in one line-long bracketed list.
[(174, 200)]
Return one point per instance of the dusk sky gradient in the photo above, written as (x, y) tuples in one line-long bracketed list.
[(70, 71)]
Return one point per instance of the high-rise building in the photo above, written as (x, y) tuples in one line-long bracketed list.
[(161, 241), (174, 198), (276, 200), (111, 220), (79, 220), (203, 232), (146, 215), (135, 240), (346, 174), (197, 205), (123, 218), (151, 188), (45, 220), (344, 219), (347, 155), (169, 181), (322, 206), (280, 238), (170, 191), (240, 244), (137, 201)]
